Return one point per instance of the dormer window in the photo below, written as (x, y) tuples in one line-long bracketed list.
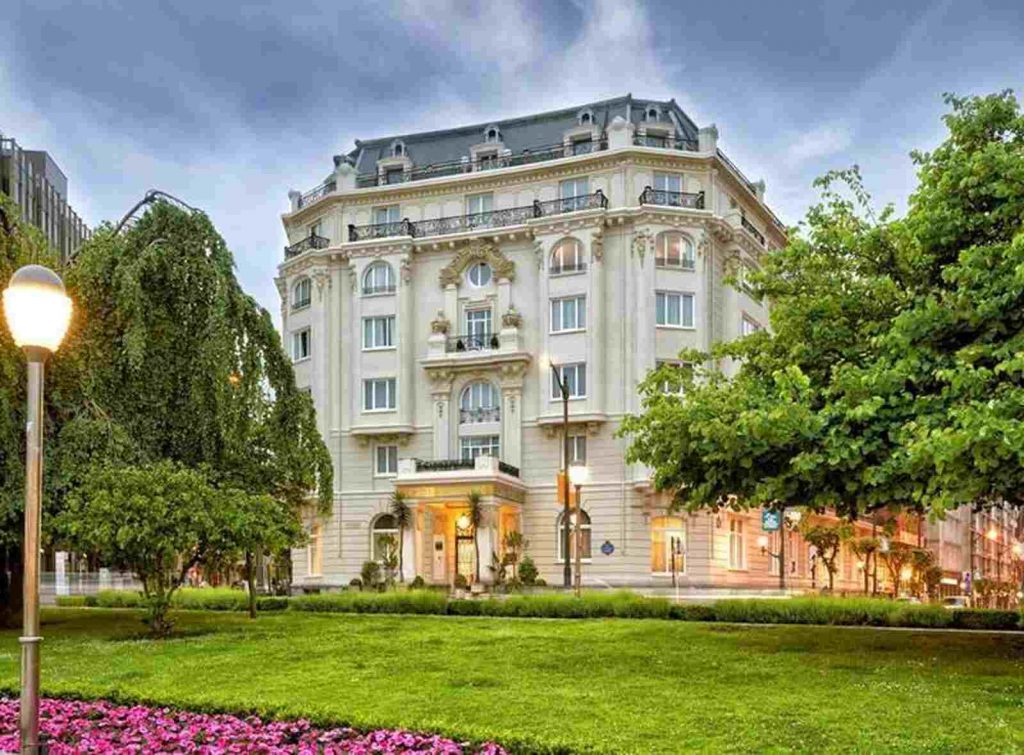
[(585, 117), (492, 135), (397, 149), (652, 113)]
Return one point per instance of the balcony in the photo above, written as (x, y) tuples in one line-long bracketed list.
[(665, 142), (491, 162), (578, 267), (310, 242), (480, 220), (689, 200), (472, 342), (480, 463), (479, 416), (752, 230), (316, 194)]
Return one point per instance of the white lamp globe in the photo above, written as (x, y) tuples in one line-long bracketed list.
[(578, 474), (37, 309)]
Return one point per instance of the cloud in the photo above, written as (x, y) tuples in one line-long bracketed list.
[(822, 141)]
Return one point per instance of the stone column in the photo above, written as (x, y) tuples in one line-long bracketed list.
[(440, 409), (451, 307), (354, 328), (487, 541), (406, 344), (543, 313), (512, 424), (596, 373)]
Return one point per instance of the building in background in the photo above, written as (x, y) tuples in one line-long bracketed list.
[(40, 189), (432, 281)]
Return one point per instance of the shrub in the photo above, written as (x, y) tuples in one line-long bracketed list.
[(527, 571), (211, 599), (411, 601), (984, 618), (370, 574), (418, 583), (461, 583), (72, 601), (272, 603), (356, 583), (118, 599)]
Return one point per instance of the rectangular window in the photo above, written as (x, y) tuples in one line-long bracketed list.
[(388, 214), (681, 372), (479, 203), (301, 347), (315, 228), (379, 332), (394, 175), (575, 378), (577, 449), (672, 182), (387, 461), (583, 145), (749, 326), (574, 193), (674, 309), (379, 394), (315, 551), (478, 328), (737, 545), (568, 313), (479, 445), (487, 160), (303, 294)]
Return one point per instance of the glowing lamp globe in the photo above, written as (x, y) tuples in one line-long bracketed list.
[(37, 309), (578, 474)]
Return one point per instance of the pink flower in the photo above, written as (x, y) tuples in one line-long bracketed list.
[(75, 726)]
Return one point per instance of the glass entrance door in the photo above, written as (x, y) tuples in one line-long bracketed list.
[(465, 556)]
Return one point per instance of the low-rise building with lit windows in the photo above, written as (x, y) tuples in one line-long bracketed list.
[(432, 281)]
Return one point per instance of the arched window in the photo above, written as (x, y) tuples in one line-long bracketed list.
[(652, 113), (668, 544), (379, 278), (584, 534), (397, 149), (302, 293), (480, 402), (567, 257), (673, 249), (479, 274), (492, 134), (585, 117), (384, 537)]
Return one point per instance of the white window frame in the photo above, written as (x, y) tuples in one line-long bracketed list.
[(577, 449), (687, 255), (471, 399), (384, 531), (391, 395), (682, 295), (577, 368), (370, 343), (388, 453), (385, 289), (586, 528), (392, 213), (749, 326), (296, 340), (575, 184), (737, 544), (479, 266), (676, 364), (665, 179), (579, 264), (479, 443), (475, 203), (577, 303), (307, 285), (314, 228)]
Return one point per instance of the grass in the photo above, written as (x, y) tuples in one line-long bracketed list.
[(608, 685)]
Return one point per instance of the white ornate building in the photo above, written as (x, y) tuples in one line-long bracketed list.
[(433, 279)]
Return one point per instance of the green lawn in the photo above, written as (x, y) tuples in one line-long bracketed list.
[(614, 685)]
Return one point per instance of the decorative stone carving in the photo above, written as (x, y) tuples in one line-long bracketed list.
[(597, 245), (478, 251), (641, 240), (512, 318), (322, 279), (440, 324), (406, 268)]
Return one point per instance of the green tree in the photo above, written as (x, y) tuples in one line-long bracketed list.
[(890, 377), (866, 549), (403, 519), (827, 540), (157, 520), (897, 556)]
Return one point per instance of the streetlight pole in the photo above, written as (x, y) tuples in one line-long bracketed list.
[(38, 312), (579, 474), (566, 541)]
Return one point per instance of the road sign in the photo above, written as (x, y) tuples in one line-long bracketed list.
[(607, 548), (771, 520)]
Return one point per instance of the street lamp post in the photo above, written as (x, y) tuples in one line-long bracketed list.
[(38, 312), (579, 474), (563, 387)]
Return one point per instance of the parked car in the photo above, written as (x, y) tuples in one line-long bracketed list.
[(908, 599), (956, 602)]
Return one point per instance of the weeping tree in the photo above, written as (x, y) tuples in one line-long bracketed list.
[(166, 359)]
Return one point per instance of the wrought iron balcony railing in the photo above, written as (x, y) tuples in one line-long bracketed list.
[(472, 342), (490, 162), (480, 415), (753, 231), (665, 142), (310, 242), (490, 219), (691, 200), (319, 192), (383, 289), (448, 465)]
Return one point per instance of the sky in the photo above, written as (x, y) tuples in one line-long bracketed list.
[(229, 105)]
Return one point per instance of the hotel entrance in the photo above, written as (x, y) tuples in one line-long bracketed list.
[(465, 552)]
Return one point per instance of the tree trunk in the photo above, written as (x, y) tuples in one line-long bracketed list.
[(250, 578), (401, 548)]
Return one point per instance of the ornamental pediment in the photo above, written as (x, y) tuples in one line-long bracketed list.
[(470, 254)]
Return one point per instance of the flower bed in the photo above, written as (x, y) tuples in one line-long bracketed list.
[(74, 726)]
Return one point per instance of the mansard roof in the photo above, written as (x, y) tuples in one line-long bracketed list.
[(516, 134)]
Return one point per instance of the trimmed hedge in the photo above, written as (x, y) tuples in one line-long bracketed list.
[(193, 599), (621, 604)]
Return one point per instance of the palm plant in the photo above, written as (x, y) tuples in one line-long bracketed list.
[(403, 518), (476, 518)]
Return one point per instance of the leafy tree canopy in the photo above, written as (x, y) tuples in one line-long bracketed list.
[(892, 373)]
